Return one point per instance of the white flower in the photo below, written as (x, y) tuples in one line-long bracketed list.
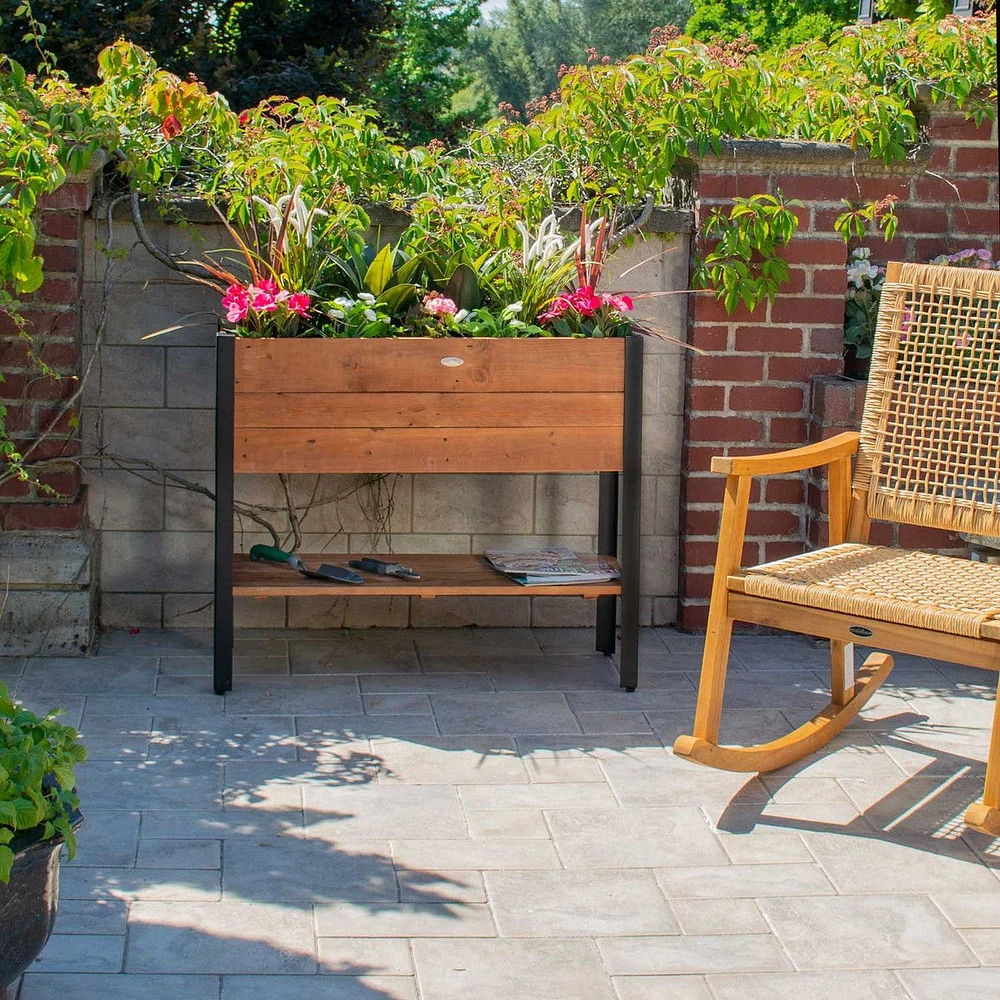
[(540, 248), (367, 298), (335, 313), (371, 315), (512, 308), (344, 302), (300, 217), (518, 324), (859, 270), (462, 314)]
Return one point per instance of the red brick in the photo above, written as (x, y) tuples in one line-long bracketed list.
[(832, 401), (58, 291), (58, 258), (60, 421), (824, 187), (705, 398), (728, 186), (56, 448), (807, 309), (924, 220), (766, 399), (704, 489), (13, 387), (773, 522), (958, 127), (823, 340), (725, 429), (701, 522), (782, 550), (928, 249), (728, 368), (813, 251), (69, 196), (692, 617), (977, 220), (941, 160), (877, 187), (697, 584), (916, 536), (788, 430), (14, 489), (830, 281), (61, 357), (697, 459), (976, 159), (802, 369), (709, 338), (60, 225), (13, 354), (882, 533), (66, 484), (52, 516), (768, 340), (790, 491), (46, 387), (937, 190), (708, 309)]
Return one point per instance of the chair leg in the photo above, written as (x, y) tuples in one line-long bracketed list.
[(714, 667), (985, 816), (841, 672)]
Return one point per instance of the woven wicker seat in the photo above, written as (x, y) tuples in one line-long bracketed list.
[(928, 454), (907, 587)]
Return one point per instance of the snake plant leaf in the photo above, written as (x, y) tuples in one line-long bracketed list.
[(463, 288), (379, 271), (397, 298)]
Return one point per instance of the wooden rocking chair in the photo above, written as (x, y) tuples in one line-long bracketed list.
[(928, 454)]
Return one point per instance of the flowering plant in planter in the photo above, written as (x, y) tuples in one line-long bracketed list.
[(864, 291)]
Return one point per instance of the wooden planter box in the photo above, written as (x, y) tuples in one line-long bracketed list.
[(430, 405)]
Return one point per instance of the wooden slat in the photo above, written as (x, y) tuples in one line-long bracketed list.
[(428, 409), (982, 653), (405, 449), (441, 576), (414, 365)]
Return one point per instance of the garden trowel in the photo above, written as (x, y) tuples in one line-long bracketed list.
[(326, 572)]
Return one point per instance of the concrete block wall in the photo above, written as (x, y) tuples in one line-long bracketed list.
[(751, 390), (149, 411)]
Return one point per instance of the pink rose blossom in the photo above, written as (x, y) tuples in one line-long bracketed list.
[(439, 305), (298, 303)]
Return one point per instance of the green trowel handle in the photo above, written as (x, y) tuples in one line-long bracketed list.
[(270, 553)]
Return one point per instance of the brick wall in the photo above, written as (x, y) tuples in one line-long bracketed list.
[(752, 390)]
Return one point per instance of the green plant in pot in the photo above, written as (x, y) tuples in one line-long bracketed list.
[(38, 814)]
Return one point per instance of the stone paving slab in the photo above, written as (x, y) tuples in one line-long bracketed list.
[(477, 813)]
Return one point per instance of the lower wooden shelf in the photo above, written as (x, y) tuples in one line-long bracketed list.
[(440, 576)]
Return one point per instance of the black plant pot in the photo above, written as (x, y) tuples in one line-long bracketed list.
[(28, 902)]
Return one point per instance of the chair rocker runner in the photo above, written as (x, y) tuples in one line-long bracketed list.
[(928, 454)]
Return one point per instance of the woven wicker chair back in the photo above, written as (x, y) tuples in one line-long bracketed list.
[(930, 437)]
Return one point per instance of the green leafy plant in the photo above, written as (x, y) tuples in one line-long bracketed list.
[(864, 292), (37, 786), (745, 265)]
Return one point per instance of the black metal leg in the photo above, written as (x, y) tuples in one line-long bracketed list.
[(631, 493), (607, 545), (224, 387)]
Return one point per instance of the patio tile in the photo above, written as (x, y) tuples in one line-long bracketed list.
[(743, 881), (278, 785), (537, 796), (680, 695), (506, 824), (578, 904), (58, 676), (223, 739), (404, 920), (562, 767), (361, 987), (718, 916), (71, 706), (985, 944), (164, 642), (429, 683), (503, 713), (691, 953), (383, 812), (108, 838), (179, 853), (45, 986), (876, 865), (345, 956), (837, 932), (613, 722), (973, 909), (449, 760), (152, 784), (232, 936), (365, 652), (969, 984), (510, 970), (640, 837), (81, 953), (594, 672), (301, 870), (320, 732), (396, 704), (123, 748), (481, 855), (427, 886), (139, 883), (295, 695), (484, 641), (239, 821), (815, 985), (92, 916), (661, 988), (116, 725), (196, 702)]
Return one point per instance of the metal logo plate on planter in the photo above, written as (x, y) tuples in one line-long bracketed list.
[(452, 362), (860, 631)]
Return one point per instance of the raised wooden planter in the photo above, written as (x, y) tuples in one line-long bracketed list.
[(430, 405)]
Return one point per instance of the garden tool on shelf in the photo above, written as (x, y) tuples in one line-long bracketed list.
[(383, 568), (326, 572)]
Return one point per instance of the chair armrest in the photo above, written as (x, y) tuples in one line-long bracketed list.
[(794, 460)]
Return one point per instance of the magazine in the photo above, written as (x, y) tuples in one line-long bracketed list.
[(552, 566)]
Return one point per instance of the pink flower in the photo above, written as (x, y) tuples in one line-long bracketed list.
[(236, 302), (623, 303), (439, 305), (298, 303), (262, 299), (584, 301), (558, 306), (171, 127), (269, 285)]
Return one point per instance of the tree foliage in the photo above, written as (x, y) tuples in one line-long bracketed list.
[(518, 54)]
